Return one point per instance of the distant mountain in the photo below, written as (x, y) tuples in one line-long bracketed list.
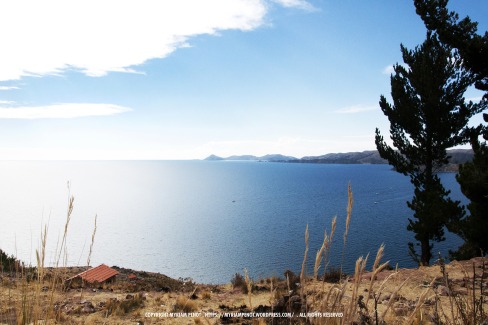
[(365, 157), (243, 157), (277, 158), (460, 156), (270, 158), (214, 158), (457, 156)]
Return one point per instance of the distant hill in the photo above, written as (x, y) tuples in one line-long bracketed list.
[(270, 158), (457, 156), (364, 157), (214, 158)]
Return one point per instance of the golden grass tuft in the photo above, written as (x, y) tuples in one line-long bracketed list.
[(249, 285), (185, 304), (206, 295)]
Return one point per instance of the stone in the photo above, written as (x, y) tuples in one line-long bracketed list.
[(88, 309), (385, 297), (442, 291), (400, 309)]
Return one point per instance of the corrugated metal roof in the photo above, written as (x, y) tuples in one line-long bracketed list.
[(100, 274)]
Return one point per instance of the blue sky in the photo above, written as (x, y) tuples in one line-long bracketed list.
[(185, 79)]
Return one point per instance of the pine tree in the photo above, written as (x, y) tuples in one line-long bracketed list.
[(428, 116), (473, 178), (461, 34)]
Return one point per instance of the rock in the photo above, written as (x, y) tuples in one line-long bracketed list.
[(385, 297), (165, 289), (400, 309), (461, 291), (224, 307), (260, 288), (295, 303), (262, 309), (428, 302), (442, 291), (281, 305), (129, 296), (88, 309)]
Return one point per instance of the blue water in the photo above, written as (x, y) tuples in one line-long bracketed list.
[(207, 220)]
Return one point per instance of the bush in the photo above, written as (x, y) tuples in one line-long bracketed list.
[(333, 275), (183, 304), (121, 308), (8, 263), (238, 281), (206, 295)]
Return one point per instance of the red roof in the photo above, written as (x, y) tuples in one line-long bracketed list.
[(100, 274)]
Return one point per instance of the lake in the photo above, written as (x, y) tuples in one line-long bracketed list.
[(207, 219)]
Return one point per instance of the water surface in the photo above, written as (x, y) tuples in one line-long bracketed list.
[(206, 220)]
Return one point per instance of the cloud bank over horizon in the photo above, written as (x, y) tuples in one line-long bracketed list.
[(67, 110), (95, 38)]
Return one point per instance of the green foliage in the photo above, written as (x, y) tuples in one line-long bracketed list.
[(461, 34), (8, 263), (238, 281), (428, 116), (334, 275), (473, 178)]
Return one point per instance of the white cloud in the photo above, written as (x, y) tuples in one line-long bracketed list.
[(388, 70), (8, 87), (356, 109), (302, 4), (96, 37), (6, 102), (69, 110)]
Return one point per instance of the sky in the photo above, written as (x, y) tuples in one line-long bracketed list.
[(184, 79)]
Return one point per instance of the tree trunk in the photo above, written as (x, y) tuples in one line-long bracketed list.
[(425, 253)]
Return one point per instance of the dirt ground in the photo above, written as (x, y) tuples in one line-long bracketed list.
[(425, 295)]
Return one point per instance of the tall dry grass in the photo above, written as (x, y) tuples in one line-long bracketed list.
[(346, 296), (41, 285), (350, 202), (34, 304)]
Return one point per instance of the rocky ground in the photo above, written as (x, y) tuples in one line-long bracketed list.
[(424, 295)]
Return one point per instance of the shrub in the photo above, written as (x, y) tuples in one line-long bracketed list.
[(8, 263), (333, 275), (238, 281), (124, 307), (206, 295), (183, 304)]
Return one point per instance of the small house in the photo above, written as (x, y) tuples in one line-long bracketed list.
[(94, 276)]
